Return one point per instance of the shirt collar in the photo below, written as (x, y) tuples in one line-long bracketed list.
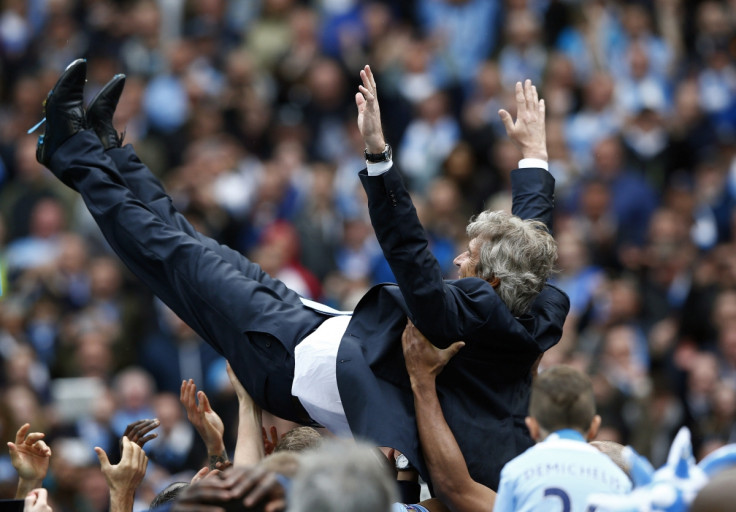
[(566, 433)]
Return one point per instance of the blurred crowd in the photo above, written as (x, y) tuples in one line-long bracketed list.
[(245, 110)]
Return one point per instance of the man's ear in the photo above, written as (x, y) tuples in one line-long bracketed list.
[(593, 430), (494, 282), (533, 426)]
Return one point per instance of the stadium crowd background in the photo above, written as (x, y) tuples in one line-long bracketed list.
[(245, 109)]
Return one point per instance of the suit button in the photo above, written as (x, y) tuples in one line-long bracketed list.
[(268, 344)]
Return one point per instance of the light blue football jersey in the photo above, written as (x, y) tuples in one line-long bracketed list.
[(557, 475)]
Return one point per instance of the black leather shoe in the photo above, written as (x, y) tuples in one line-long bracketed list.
[(101, 109), (64, 110)]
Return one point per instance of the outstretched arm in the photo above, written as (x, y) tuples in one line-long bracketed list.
[(206, 421), (444, 312), (249, 445), (30, 457), (123, 478), (446, 464), (532, 187)]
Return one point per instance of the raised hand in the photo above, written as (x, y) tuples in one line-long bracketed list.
[(29, 454), (37, 501), (248, 485), (205, 420), (30, 458), (528, 131), (369, 114), (124, 477), (424, 360), (137, 431)]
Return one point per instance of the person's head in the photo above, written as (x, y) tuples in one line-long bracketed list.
[(299, 439), (284, 463), (718, 495), (169, 493), (614, 451), (342, 476), (515, 256), (562, 398)]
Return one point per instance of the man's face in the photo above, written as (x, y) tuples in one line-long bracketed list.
[(468, 260)]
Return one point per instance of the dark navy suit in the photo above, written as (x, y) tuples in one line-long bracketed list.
[(255, 321)]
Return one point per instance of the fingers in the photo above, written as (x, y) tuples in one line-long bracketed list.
[(542, 111), (263, 486), (127, 448), (21, 434), (41, 448), (102, 456), (454, 348), (275, 505), (186, 395), (367, 94), (242, 481), (131, 427), (359, 101), (196, 507), (507, 120), (35, 498), (33, 438), (200, 474), (531, 107), (371, 78), (143, 427), (520, 99), (369, 82), (204, 402), (142, 459)]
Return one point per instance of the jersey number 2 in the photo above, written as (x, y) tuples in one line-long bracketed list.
[(564, 498)]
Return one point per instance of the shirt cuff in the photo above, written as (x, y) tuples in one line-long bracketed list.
[(376, 169), (529, 162)]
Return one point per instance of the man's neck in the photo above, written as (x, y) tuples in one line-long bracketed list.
[(565, 433)]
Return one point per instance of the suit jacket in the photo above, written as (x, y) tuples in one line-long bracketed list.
[(255, 321), (484, 390)]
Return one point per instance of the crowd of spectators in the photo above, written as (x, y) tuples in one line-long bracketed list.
[(245, 109)]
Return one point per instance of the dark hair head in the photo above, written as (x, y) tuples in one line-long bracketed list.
[(562, 397), (170, 493)]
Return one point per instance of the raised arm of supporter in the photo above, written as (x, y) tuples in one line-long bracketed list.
[(30, 456), (124, 477), (249, 447), (448, 471), (206, 421)]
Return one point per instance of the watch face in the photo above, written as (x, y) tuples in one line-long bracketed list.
[(402, 462)]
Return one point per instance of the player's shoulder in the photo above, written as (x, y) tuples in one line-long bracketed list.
[(551, 450)]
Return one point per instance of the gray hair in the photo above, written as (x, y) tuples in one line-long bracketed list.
[(342, 475), (520, 253)]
